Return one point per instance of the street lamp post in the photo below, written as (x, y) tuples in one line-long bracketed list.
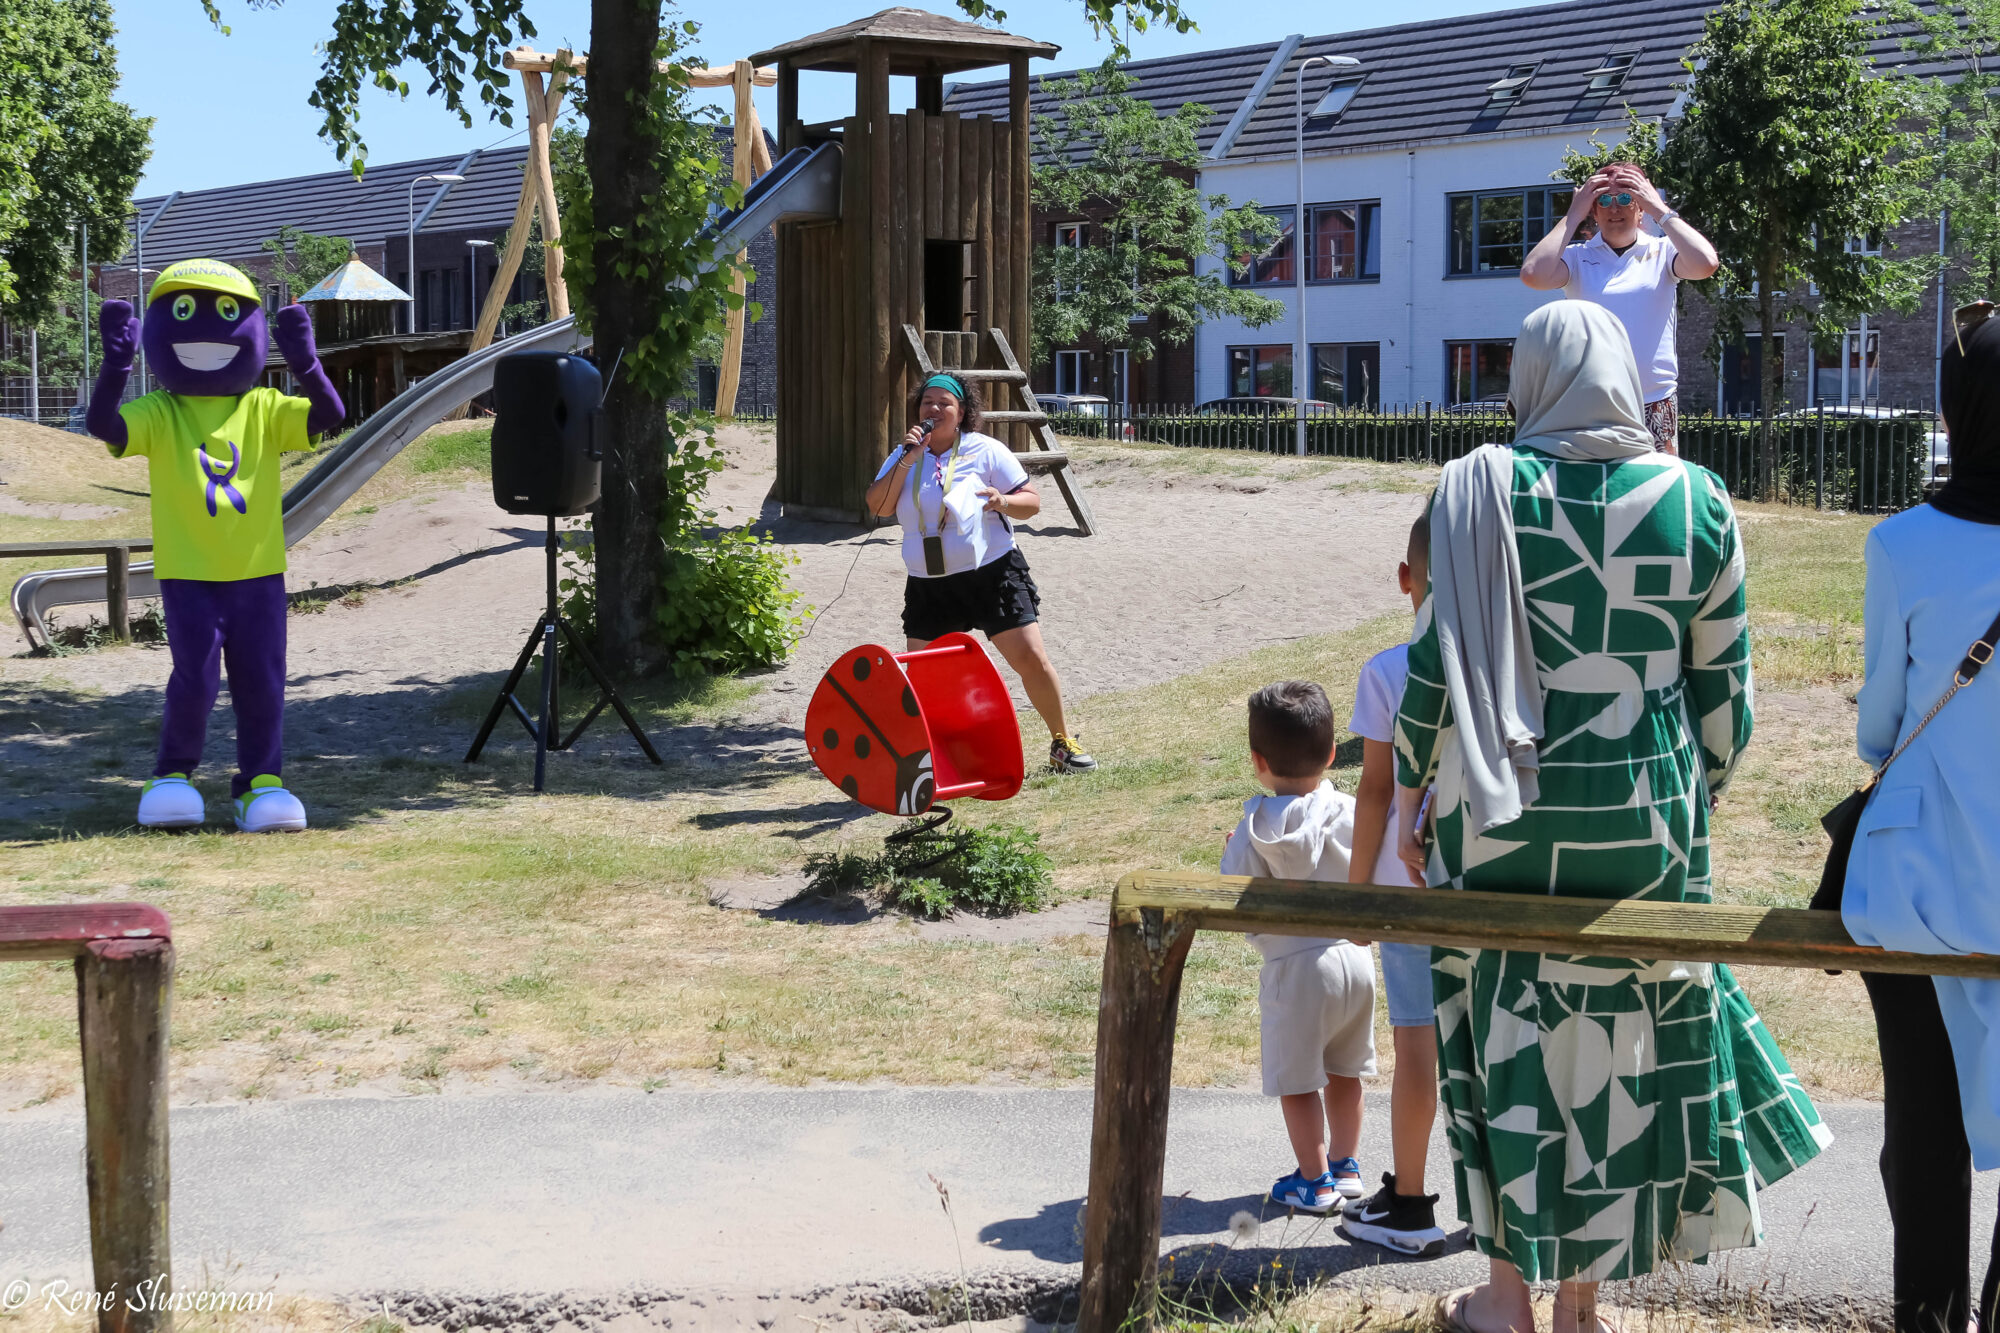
[(444, 177), (1299, 374)]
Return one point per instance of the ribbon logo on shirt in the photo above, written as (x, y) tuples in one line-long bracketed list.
[(223, 480)]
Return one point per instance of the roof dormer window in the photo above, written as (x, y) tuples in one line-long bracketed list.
[(1610, 75), (1336, 99), (1508, 89)]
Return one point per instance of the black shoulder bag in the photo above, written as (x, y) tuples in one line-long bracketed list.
[(1841, 821)]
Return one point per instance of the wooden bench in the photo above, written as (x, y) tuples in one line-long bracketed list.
[(124, 957), (1154, 917), (117, 567)]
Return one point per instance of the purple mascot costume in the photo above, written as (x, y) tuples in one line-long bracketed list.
[(211, 439)]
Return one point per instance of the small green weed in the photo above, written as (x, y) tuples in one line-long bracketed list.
[(993, 872)]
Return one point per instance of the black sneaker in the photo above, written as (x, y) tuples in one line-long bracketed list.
[(1066, 756), (1405, 1223)]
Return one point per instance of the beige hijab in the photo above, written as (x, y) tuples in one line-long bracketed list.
[(1575, 393)]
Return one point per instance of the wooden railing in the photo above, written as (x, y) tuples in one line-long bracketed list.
[(124, 957), (1154, 917)]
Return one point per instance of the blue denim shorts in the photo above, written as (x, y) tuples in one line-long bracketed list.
[(1406, 975)]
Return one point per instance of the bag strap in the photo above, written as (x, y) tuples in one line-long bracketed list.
[(1975, 659)]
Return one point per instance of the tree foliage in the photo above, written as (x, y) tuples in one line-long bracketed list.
[(1963, 111), (70, 151), (1790, 147), (300, 258), (1103, 153)]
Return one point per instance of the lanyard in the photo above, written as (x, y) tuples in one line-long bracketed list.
[(947, 472)]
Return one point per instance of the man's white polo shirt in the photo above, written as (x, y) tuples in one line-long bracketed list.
[(1638, 287)]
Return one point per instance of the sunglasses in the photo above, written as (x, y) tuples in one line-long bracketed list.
[(1619, 200), (1967, 318)]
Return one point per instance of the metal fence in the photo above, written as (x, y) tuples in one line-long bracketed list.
[(51, 406), (1873, 460)]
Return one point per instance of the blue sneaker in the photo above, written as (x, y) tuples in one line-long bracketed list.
[(1346, 1175), (1305, 1196)]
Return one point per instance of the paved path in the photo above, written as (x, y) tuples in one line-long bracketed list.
[(780, 1191)]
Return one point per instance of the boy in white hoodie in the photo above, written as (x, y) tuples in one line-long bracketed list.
[(1315, 997)]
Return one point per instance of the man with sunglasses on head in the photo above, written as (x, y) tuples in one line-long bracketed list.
[(1631, 273)]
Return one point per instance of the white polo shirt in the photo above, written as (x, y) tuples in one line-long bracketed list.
[(973, 536), (1638, 287)]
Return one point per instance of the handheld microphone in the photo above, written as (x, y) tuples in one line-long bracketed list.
[(927, 425)]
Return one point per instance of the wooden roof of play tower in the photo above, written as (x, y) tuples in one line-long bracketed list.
[(919, 43)]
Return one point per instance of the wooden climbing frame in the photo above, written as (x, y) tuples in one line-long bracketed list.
[(1154, 917), (124, 956)]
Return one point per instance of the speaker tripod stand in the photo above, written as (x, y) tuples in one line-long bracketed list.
[(547, 734)]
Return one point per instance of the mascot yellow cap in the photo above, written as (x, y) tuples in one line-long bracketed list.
[(204, 275)]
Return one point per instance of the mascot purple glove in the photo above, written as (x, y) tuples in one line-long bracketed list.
[(212, 439)]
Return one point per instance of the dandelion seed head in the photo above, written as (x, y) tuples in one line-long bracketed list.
[(1243, 1226)]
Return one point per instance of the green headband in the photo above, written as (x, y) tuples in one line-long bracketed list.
[(949, 383)]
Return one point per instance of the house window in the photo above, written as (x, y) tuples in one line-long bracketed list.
[(1072, 372), (1343, 239), (1070, 236), (1851, 374), (1349, 374), (1274, 262), (1260, 372), (1510, 87), (1611, 75), (1493, 231), (1476, 372), (1742, 387)]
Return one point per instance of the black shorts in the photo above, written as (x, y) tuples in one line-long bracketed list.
[(999, 595)]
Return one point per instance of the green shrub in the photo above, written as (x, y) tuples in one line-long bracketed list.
[(726, 604), (991, 872)]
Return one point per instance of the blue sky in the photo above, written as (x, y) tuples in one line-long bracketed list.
[(232, 109)]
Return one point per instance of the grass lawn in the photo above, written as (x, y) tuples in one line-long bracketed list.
[(444, 926)]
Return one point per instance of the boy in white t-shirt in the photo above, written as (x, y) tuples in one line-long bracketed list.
[(1315, 997), (1399, 1216)]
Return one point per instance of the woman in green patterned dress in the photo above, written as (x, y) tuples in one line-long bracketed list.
[(1604, 1114)]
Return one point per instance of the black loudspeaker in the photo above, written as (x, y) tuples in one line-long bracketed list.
[(545, 450)]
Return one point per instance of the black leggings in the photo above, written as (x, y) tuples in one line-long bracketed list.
[(1926, 1165)]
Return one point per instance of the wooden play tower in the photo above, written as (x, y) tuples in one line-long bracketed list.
[(927, 263)]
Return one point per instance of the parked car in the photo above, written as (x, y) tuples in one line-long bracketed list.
[(1085, 414), (1483, 407), (1263, 407), (1074, 404)]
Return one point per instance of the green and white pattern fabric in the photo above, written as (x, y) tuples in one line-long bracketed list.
[(1605, 1114)]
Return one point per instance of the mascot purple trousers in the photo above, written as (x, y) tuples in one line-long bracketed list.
[(212, 439)]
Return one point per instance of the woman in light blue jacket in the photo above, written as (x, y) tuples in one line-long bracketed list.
[(1925, 871)]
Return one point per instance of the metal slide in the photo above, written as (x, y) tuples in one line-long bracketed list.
[(803, 183)]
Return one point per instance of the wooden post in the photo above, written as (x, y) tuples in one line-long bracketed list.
[(1136, 1012), (1022, 219), (788, 108), (730, 373), (117, 585), (542, 109), (124, 991), (510, 261)]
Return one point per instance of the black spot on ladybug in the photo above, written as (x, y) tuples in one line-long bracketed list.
[(851, 787), (910, 702), (861, 747), (831, 739), (861, 668)]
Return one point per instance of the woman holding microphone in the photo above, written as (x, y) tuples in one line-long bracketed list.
[(958, 494)]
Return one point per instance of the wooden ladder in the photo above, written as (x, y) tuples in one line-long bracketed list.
[(1052, 460)]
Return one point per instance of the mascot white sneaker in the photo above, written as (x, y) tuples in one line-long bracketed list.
[(268, 808), (170, 802)]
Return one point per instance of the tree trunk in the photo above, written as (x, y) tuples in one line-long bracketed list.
[(622, 155), (1771, 365)]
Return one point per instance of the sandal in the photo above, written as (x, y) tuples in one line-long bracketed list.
[(1455, 1302)]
